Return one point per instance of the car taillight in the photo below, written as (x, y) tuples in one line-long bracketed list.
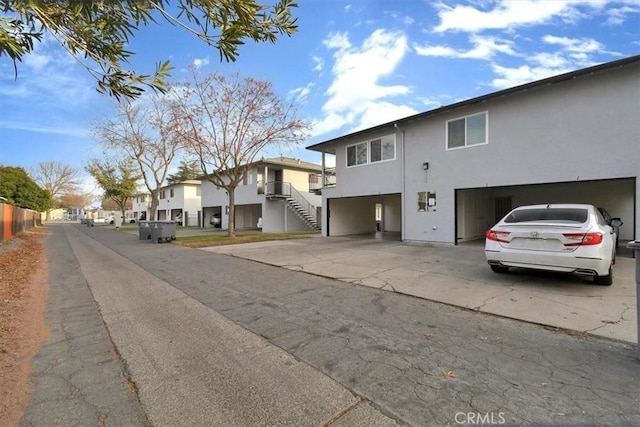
[(498, 236), (583, 239)]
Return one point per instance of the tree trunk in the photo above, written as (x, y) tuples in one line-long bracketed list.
[(232, 212), (154, 206)]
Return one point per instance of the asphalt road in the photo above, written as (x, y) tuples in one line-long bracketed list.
[(216, 340)]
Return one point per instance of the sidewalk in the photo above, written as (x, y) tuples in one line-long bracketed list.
[(459, 276)]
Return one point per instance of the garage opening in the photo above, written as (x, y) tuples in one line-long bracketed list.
[(247, 216), (380, 214), (478, 209)]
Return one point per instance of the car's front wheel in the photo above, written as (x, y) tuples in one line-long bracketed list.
[(606, 280)]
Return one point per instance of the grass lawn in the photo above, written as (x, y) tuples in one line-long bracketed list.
[(240, 237)]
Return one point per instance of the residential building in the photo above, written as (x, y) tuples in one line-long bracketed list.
[(449, 174), (276, 195), (180, 202), (141, 206), (176, 202)]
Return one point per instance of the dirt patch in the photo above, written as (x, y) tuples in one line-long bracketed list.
[(23, 293)]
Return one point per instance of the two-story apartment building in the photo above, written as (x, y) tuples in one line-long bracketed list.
[(141, 206), (447, 175), (177, 202), (276, 195)]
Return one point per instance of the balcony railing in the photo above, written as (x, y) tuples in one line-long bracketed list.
[(277, 189), (315, 181)]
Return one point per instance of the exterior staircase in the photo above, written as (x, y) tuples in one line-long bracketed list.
[(303, 212), (295, 201)]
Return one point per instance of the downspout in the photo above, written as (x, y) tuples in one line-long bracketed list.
[(402, 187)]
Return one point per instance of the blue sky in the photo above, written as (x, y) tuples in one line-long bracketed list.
[(352, 65)]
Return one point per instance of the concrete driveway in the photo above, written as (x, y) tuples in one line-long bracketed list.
[(459, 275)]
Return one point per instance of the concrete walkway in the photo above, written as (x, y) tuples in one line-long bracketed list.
[(459, 275)]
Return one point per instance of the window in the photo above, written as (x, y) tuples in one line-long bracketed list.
[(376, 150), (171, 192), (357, 154), (467, 131), (162, 194), (383, 149)]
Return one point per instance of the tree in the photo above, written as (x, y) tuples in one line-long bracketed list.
[(226, 122), (99, 32), (21, 190), (186, 171), (109, 205), (71, 200), (57, 178), (147, 136), (118, 180)]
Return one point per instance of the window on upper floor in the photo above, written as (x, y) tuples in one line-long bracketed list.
[(467, 131), (376, 150), (357, 154), (383, 149), (171, 192)]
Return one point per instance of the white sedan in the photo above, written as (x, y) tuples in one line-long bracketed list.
[(571, 238)]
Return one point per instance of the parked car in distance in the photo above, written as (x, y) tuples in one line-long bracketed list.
[(100, 220), (571, 238), (614, 222), (124, 220), (216, 220), (178, 219)]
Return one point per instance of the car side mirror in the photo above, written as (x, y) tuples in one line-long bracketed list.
[(616, 222)]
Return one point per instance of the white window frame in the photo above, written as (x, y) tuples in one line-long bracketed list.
[(466, 145), (346, 151), (382, 139)]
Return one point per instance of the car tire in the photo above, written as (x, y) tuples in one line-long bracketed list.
[(499, 268), (604, 280)]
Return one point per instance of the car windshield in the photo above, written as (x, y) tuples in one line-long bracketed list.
[(548, 214)]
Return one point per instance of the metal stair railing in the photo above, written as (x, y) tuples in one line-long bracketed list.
[(302, 207)]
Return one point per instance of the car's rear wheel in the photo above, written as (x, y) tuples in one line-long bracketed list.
[(499, 268), (605, 280)]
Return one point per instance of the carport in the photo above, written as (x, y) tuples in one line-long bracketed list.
[(247, 216), (208, 212), (478, 209), (364, 215)]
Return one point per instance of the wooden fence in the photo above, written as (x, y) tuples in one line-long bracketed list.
[(14, 220)]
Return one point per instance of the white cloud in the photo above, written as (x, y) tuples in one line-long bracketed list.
[(483, 48), (618, 15), (356, 94), (36, 128), (301, 93), (199, 62), (583, 45), (319, 63), (509, 14), (510, 77), (571, 54), (337, 41)]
